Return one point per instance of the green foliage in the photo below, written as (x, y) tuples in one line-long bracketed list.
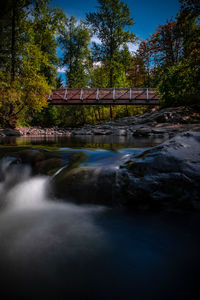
[(179, 84), (74, 40), (137, 74), (31, 31), (172, 56), (29, 63), (110, 24), (46, 23)]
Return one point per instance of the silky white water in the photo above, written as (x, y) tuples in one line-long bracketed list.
[(35, 228)]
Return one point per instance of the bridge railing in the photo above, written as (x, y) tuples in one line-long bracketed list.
[(104, 96)]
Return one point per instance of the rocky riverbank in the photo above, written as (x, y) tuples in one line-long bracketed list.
[(165, 122), (35, 131)]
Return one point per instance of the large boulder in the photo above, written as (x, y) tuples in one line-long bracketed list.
[(86, 185), (10, 132), (166, 176), (41, 161)]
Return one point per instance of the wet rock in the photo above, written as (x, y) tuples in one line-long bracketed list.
[(6, 164), (80, 132), (102, 132), (122, 132), (10, 132), (106, 127), (165, 176), (31, 156), (158, 131), (143, 131), (49, 166), (86, 185), (41, 161), (88, 133)]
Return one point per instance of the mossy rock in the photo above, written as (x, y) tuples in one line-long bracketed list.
[(49, 166), (86, 185), (31, 156)]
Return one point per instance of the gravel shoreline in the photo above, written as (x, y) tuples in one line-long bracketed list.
[(165, 122)]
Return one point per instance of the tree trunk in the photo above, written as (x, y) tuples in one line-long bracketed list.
[(111, 113), (95, 113), (111, 86), (99, 112), (13, 42), (127, 112), (103, 115)]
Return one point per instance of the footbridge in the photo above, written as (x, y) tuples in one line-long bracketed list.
[(104, 96)]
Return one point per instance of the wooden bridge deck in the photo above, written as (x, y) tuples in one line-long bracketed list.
[(104, 96)]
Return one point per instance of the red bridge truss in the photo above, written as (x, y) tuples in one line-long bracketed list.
[(104, 96)]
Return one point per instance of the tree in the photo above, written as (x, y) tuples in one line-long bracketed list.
[(59, 82), (29, 62), (144, 56), (47, 23), (12, 25), (173, 56), (138, 75), (74, 41), (110, 24), (180, 83)]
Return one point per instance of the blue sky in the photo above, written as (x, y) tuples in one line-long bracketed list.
[(147, 13)]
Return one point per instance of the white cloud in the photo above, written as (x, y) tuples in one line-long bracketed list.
[(62, 70), (97, 64), (133, 47), (95, 39)]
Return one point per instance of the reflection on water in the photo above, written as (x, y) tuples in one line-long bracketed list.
[(103, 142)]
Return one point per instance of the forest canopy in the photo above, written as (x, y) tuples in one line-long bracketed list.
[(32, 32)]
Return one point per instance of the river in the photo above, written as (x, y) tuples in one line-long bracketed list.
[(55, 249)]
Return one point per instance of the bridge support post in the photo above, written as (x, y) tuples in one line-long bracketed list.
[(97, 96), (65, 97), (81, 96)]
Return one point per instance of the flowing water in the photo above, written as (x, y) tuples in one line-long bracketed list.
[(54, 249)]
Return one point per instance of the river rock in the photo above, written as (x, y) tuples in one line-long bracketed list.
[(102, 132), (48, 166), (86, 185), (143, 131), (122, 132), (165, 176), (10, 132)]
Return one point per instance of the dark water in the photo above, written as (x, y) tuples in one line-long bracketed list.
[(103, 142), (57, 250)]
